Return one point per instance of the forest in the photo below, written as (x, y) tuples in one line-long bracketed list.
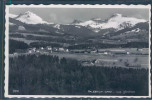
[(101, 45), (14, 45), (49, 75)]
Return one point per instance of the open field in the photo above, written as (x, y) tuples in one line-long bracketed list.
[(117, 60)]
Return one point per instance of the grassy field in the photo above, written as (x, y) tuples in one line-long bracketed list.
[(109, 60)]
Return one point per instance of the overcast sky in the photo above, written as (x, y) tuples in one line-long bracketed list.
[(67, 15)]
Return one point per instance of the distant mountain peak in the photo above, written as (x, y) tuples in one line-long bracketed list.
[(116, 21), (30, 18), (26, 14)]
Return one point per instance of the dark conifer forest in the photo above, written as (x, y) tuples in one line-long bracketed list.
[(49, 75)]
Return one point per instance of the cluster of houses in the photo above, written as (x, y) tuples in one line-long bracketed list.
[(47, 49), (111, 63), (99, 62)]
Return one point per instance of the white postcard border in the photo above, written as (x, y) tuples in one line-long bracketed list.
[(6, 61)]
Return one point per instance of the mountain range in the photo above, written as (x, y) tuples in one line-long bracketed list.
[(116, 29)]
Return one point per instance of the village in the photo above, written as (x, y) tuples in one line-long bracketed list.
[(109, 51), (110, 57)]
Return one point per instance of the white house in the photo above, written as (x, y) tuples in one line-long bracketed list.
[(67, 50), (61, 49), (49, 48)]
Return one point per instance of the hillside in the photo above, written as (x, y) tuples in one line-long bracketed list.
[(117, 29)]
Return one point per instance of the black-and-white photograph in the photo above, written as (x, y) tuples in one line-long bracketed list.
[(74, 51)]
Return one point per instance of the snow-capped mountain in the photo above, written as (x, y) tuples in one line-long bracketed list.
[(116, 21), (117, 29), (111, 28), (30, 18)]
